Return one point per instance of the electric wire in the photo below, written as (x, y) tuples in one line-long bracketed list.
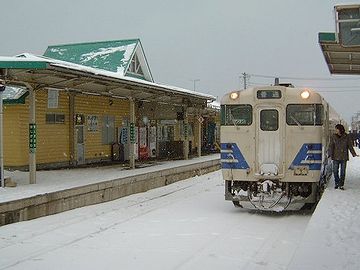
[(303, 78)]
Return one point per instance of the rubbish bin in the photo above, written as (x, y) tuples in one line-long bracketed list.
[(115, 152)]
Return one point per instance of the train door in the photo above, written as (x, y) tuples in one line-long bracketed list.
[(269, 140)]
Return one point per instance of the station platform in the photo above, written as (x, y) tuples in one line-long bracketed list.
[(332, 237), (56, 191)]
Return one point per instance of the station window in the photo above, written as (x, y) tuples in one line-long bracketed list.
[(135, 66), (55, 118), (305, 114), (108, 129), (53, 98), (236, 115), (269, 120)]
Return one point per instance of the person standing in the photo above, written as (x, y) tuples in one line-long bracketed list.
[(340, 145)]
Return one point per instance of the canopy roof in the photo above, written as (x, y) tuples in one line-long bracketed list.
[(14, 95), (339, 59), (42, 72)]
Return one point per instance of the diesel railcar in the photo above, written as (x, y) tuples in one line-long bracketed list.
[(274, 143)]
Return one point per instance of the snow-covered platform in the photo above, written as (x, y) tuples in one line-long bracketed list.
[(60, 190), (332, 237)]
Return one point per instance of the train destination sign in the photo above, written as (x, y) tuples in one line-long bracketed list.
[(268, 94)]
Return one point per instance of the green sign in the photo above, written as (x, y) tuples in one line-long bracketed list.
[(32, 137), (185, 131), (132, 133)]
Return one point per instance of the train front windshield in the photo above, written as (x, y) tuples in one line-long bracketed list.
[(236, 115), (305, 114)]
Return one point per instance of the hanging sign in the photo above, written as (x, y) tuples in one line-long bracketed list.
[(132, 133), (32, 138)]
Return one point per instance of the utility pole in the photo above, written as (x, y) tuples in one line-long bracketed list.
[(245, 77)]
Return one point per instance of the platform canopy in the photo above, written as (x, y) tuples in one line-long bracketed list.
[(43, 72), (339, 59)]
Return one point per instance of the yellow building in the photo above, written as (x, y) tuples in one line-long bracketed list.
[(97, 108)]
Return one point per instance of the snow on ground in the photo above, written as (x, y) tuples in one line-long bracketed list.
[(186, 225), (189, 225), (53, 180), (332, 238)]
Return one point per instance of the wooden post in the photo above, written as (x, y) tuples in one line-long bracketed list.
[(186, 134), (72, 128), (132, 138), (32, 135), (2, 178), (200, 120)]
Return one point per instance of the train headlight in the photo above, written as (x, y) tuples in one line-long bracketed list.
[(234, 95), (305, 94)]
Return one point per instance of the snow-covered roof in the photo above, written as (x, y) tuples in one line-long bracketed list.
[(30, 61), (13, 92), (214, 105), (114, 56)]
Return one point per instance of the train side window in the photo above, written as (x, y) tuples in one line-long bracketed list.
[(236, 115), (269, 120), (305, 114)]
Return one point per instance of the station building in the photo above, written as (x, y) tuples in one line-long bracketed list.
[(97, 102)]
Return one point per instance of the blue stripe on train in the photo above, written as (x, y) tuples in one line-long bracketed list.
[(231, 157), (306, 157)]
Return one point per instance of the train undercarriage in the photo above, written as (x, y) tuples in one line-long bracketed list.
[(272, 195)]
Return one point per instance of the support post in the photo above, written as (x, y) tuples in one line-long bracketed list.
[(72, 128), (199, 122), (132, 134), (2, 89), (186, 134), (32, 135)]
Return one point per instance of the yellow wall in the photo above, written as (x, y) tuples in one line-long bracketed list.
[(15, 135), (100, 106), (53, 140)]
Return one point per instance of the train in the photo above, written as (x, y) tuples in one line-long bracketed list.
[(274, 146)]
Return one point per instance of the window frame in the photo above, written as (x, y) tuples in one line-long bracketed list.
[(318, 106), (227, 122), (108, 129), (58, 118), (261, 118), (52, 98)]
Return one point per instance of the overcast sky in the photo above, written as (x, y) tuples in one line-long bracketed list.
[(206, 40)]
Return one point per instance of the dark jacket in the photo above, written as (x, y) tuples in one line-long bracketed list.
[(340, 146)]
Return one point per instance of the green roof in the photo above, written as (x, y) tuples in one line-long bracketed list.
[(107, 55), (327, 37), (20, 63), (340, 59)]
